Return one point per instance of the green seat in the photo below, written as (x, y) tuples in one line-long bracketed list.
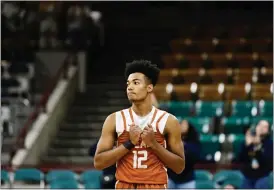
[(266, 108), (237, 140), (28, 174), (233, 177), (180, 109), (210, 145), (5, 176), (235, 124), (201, 124), (242, 108), (209, 109), (255, 120), (202, 175), (204, 184), (59, 175), (64, 184), (92, 178)]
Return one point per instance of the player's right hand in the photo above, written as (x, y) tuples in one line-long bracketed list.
[(134, 134)]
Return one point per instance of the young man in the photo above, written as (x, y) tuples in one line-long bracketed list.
[(148, 139)]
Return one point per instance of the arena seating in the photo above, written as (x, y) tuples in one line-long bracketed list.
[(222, 82), (90, 179)]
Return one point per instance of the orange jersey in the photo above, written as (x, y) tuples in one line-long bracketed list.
[(141, 165)]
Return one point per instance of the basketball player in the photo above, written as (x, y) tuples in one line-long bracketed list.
[(148, 139)]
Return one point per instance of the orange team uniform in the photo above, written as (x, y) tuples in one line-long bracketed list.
[(141, 168)]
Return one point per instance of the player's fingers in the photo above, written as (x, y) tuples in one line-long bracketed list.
[(144, 133), (146, 129), (149, 126)]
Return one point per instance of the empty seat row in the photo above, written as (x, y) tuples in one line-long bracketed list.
[(239, 116), (66, 178), (220, 46), (54, 179), (212, 109), (228, 125), (213, 92), (217, 60), (227, 76)]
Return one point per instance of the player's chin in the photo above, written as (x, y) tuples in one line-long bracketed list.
[(131, 99)]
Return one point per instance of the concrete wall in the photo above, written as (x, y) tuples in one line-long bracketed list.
[(52, 123)]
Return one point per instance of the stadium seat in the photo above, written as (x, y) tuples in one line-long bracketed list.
[(237, 141), (236, 92), (255, 120), (183, 93), (221, 75), (233, 177), (266, 75), (190, 75), (92, 179), (28, 178), (210, 92), (242, 76), (204, 185), (266, 108), (180, 109), (161, 93), (208, 109), (235, 124), (28, 174), (242, 108), (201, 175), (201, 124), (210, 145), (166, 76), (5, 176), (60, 175), (261, 92), (64, 184)]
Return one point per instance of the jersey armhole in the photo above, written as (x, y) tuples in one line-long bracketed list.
[(162, 123)]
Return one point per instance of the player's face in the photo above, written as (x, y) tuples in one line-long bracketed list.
[(137, 87)]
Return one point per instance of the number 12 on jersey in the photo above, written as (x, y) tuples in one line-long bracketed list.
[(138, 158)]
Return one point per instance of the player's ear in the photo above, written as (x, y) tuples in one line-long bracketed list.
[(150, 88)]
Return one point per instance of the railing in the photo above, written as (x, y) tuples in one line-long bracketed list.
[(41, 106)]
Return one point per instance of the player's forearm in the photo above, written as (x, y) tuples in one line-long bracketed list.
[(171, 160), (108, 158)]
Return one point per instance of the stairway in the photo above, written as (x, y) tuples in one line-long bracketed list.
[(83, 124), (106, 84)]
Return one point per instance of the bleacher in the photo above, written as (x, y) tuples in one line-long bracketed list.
[(68, 179), (222, 86), (222, 83), (59, 179)]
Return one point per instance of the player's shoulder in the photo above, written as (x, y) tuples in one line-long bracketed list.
[(122, 111)]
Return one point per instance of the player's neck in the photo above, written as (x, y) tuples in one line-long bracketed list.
[(142, 108)]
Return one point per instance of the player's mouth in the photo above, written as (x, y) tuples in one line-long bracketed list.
[(130, 93)]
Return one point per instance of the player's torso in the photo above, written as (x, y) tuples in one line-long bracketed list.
[(141, 165)]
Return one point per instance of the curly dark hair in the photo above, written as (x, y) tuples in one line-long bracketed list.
[(151, 71)]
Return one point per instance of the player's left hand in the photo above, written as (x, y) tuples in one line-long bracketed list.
[(148, 136)]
